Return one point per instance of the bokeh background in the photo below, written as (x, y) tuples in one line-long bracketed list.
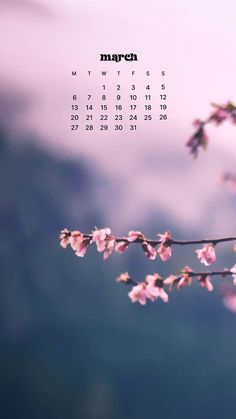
[(72, 344)]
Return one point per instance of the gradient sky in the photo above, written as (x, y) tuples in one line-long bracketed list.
[(41, 42)]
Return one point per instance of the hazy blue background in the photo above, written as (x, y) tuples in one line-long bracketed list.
[(72, 344)]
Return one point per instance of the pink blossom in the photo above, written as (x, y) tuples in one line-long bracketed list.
[(170, 281), (76, 239), (185, 278), (198, 139), (64, 238), (109, 246), (233, 270), (229, 302), (149, 251), (121, 246), (82, 247), (152, 290), (163, 295), (219, 116), (123, 277), (138, 293), (206, 254), (164, 252), (197, 123), (134, 235), (205, 281), (165, 237), (155, 289), (100, 236), (164, 249), (152, 279)]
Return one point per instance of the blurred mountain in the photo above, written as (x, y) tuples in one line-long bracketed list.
[(72, 344)]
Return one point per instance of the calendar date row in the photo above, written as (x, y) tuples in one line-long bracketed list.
[(117, 107), (120, 117), (104, 127)]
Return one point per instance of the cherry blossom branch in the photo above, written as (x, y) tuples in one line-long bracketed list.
[(106, 243), (175, 279), (171, 241), (225, 272), (221, 114), (153, 286)]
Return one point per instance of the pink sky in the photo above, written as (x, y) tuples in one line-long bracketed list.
[(194, 41)]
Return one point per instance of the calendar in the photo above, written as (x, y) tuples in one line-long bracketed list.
[(117, 97)]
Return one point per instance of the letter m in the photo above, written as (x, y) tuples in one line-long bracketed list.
[(105, 57)]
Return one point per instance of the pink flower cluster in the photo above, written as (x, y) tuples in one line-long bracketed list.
[(205, 281), (186, 278), (198, 139), (104, 240), (207, 254), (221, 114), (164, 249), (76, 240), (106, 243), (153, 286)]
